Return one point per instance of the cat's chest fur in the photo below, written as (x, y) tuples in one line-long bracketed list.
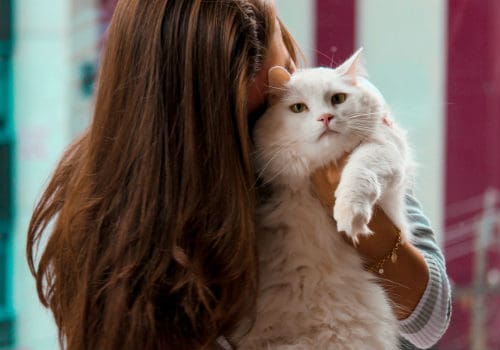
[(294, 229), (314, 293)]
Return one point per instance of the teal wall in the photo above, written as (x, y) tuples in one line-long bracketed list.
[(7, 315), (40, 82), (53, 41), (299, 18)]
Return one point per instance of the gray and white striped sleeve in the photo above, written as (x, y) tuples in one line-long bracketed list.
[(428, 322)]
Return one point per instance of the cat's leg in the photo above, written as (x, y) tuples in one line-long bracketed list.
[(370, 170), (394, 205)]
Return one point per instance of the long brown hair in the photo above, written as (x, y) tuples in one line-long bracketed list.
[(150, 212)]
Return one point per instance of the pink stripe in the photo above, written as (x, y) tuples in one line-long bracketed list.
[(472, 142), (335, 31), (473, 93)]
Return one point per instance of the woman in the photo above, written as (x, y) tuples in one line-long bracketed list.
[(153, 244)]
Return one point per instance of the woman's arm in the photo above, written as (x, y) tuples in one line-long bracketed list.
[(406, 279), (425, 326), (417, 282)]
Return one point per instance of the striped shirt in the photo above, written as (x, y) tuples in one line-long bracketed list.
[(428, 322)]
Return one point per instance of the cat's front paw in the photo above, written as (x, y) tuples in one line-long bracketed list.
[(352, 218)]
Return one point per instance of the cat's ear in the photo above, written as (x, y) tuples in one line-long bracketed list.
[(353, 67), (277, 78)]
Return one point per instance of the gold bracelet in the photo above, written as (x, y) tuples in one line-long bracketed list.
[(379, 266)]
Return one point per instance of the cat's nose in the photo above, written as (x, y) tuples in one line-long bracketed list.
[(325, 119)]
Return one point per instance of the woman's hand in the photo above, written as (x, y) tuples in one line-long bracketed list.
[(404, 280), (326, 180)]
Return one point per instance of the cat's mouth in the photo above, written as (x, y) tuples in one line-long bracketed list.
[(328, 132)]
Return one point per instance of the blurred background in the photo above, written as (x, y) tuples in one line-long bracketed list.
[(435, 61)]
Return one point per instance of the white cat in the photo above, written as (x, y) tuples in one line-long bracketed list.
[(314, 292)]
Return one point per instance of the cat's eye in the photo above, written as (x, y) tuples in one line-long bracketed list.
[(338, 98), (298, 107)]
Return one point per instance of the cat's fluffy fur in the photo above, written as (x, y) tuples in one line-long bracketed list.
[(314, 292)]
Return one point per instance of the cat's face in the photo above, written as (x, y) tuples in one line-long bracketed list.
[(313, 119)]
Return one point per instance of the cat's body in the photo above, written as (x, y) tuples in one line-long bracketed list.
[(314, 292)]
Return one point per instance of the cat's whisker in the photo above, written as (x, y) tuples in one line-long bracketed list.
[(366, 114), (275, 150), (275, 88), (274, 147), (361, 131), (279, 151), (282, 170), (360, 127)]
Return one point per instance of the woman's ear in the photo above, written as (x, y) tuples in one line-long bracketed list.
[(277, 78)]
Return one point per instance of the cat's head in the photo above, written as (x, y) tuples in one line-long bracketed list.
[(314, 117)]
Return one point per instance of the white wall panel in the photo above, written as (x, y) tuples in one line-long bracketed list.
[(404, 44), (299, 18)]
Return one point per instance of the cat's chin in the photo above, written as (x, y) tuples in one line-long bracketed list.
[(328, 133)]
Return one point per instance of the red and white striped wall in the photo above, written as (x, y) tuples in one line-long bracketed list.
[(438, 64), (405, 57)]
